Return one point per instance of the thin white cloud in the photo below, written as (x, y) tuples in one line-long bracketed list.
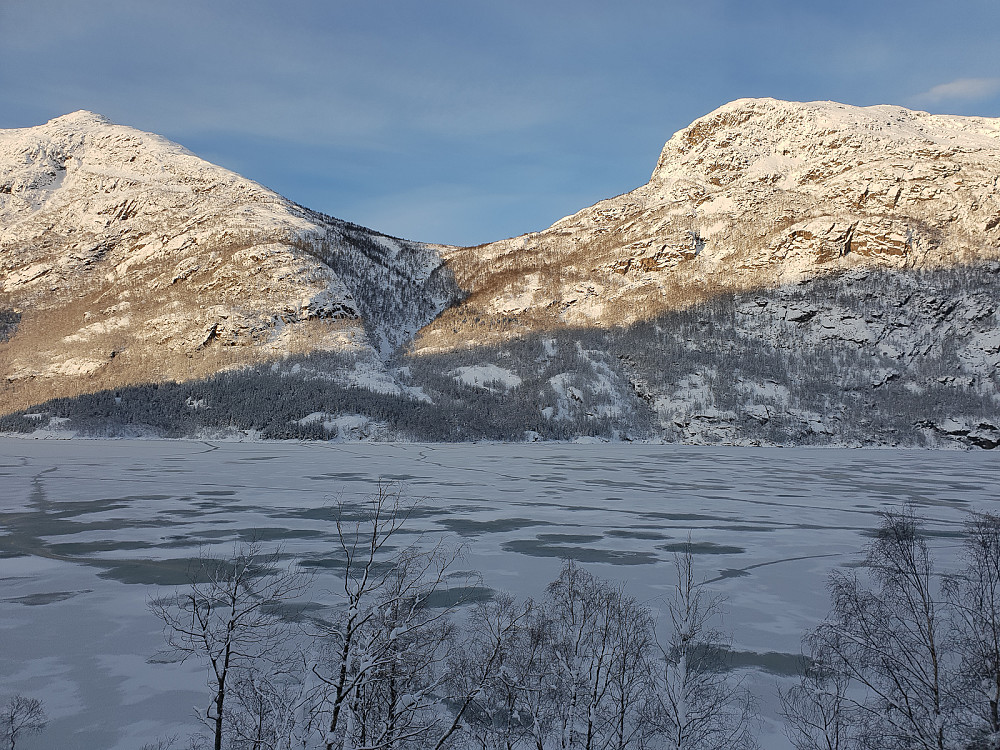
[(961, 90)]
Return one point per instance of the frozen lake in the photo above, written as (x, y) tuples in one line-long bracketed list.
[(90, 529)]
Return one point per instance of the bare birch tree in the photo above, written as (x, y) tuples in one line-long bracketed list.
[(346, 665), (386, 649), (974, 599), (891, 637), (226, 616), (492, 671), (818, 714), (597, 642), (701, 705), (631, 680), (581, 654), (21, 716), (407, 642), (530, 681), (271, 706)]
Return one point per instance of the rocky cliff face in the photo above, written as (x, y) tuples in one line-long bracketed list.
[(756, 194), (791, 274), (124, 258)]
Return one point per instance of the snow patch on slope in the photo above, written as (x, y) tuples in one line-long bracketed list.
[(486, 376)]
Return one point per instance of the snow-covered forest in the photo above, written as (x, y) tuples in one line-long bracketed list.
[(858, 359)]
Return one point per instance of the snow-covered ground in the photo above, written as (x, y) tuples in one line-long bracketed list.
[(90, 529), (486, 376)]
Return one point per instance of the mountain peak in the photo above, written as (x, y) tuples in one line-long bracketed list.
[(742, 135), (80, 118)]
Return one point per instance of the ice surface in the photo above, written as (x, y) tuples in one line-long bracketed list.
[(90, 529)]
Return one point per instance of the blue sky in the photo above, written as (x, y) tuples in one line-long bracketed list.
[(463, 121)]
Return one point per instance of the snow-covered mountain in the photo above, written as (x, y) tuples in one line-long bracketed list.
[(791, 273), (124, 259), (758, 193)]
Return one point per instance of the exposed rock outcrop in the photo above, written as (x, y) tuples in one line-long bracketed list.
[(758, 193)]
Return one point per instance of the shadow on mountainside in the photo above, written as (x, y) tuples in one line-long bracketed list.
[(863, 358)]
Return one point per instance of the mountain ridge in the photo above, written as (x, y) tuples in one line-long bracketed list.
[(743, 207)]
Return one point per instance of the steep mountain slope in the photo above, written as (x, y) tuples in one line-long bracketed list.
[(791, 273), (126, 259), (758, 193)]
